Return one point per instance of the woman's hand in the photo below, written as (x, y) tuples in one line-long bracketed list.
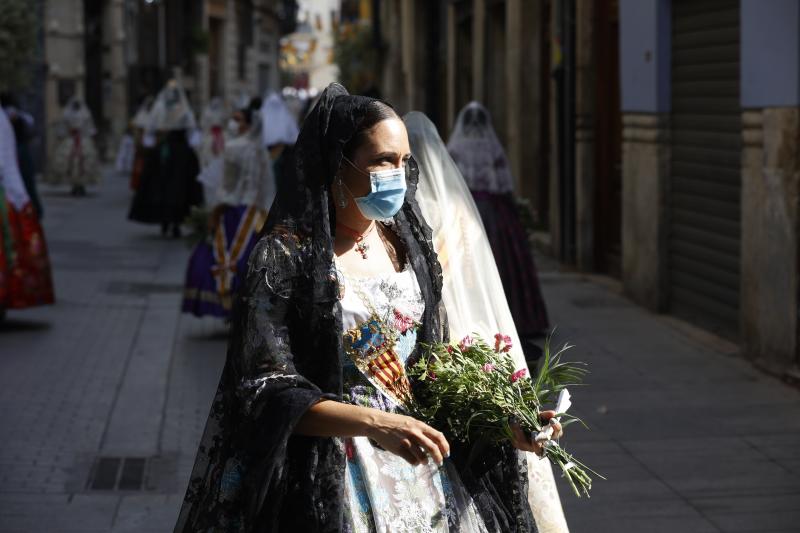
[(409, 438), (402, 435), (526, 443)]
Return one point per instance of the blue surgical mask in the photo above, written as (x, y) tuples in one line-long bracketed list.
[(388, 192)]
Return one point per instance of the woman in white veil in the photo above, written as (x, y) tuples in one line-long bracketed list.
[(144, 140), (75, 160), (168, 188), (473, 292), (483, 164)]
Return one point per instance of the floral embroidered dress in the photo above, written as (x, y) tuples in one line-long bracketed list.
[(383, 492)]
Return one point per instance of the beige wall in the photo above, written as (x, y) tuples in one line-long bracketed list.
[(508, 80), (115, 36), (392, 79), (770, 221), (64, 55), (645, 174), (264, 51)]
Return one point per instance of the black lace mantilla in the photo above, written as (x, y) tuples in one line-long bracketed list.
[(251, 474)]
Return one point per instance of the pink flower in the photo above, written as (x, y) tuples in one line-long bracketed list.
[(449, 349), (518, 375), (402, 322), (432, 375), (488, 367), (502, 343), (465, 343)]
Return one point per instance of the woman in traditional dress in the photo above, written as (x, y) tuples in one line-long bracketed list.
[(213, 122), (306, 432), (144, 141), (25, 278), (75, 157), (24, 127), (472, 293), (169, 186), (244, 195), (476, 150)]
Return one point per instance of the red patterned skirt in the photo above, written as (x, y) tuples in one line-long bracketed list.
[(25, 277)]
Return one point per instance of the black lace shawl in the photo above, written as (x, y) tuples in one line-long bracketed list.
[(285, 353)]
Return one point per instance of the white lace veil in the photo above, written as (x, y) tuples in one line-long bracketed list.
[(142, 117), (280, 126), (171, 110), (473, 292), (76, 116), (478, 153)]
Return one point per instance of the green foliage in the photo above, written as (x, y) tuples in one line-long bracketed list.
[(18, 27), (356, 56), (473, 392)]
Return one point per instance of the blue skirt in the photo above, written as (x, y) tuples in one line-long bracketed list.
[(213, 274)]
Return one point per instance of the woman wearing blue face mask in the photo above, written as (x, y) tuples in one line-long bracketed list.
[(306, 432)]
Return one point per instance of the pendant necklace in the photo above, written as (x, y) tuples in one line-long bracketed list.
[(361, 246)]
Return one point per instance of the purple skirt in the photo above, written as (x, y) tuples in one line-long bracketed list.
[(212, 277), (514, 260)]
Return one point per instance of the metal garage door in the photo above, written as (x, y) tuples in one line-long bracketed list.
[(705, 181)]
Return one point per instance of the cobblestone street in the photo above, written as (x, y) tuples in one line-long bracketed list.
[(103, 397)]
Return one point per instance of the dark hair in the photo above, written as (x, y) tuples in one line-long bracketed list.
[(255, 103), (376, 111), (7, 99)]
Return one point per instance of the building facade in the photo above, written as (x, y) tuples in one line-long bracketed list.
[(309, 51), (113, 53), (657, 141), (710, 96)]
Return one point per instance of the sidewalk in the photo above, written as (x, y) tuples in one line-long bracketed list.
[(691, 437), (103, 398), (113, 370)]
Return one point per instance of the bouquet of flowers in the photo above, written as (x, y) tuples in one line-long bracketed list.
[(475, 392)]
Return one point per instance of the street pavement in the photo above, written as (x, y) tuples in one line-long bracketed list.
[(103, 397)]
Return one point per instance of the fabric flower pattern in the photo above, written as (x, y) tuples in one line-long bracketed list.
[(384, 492), (403, 322)]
